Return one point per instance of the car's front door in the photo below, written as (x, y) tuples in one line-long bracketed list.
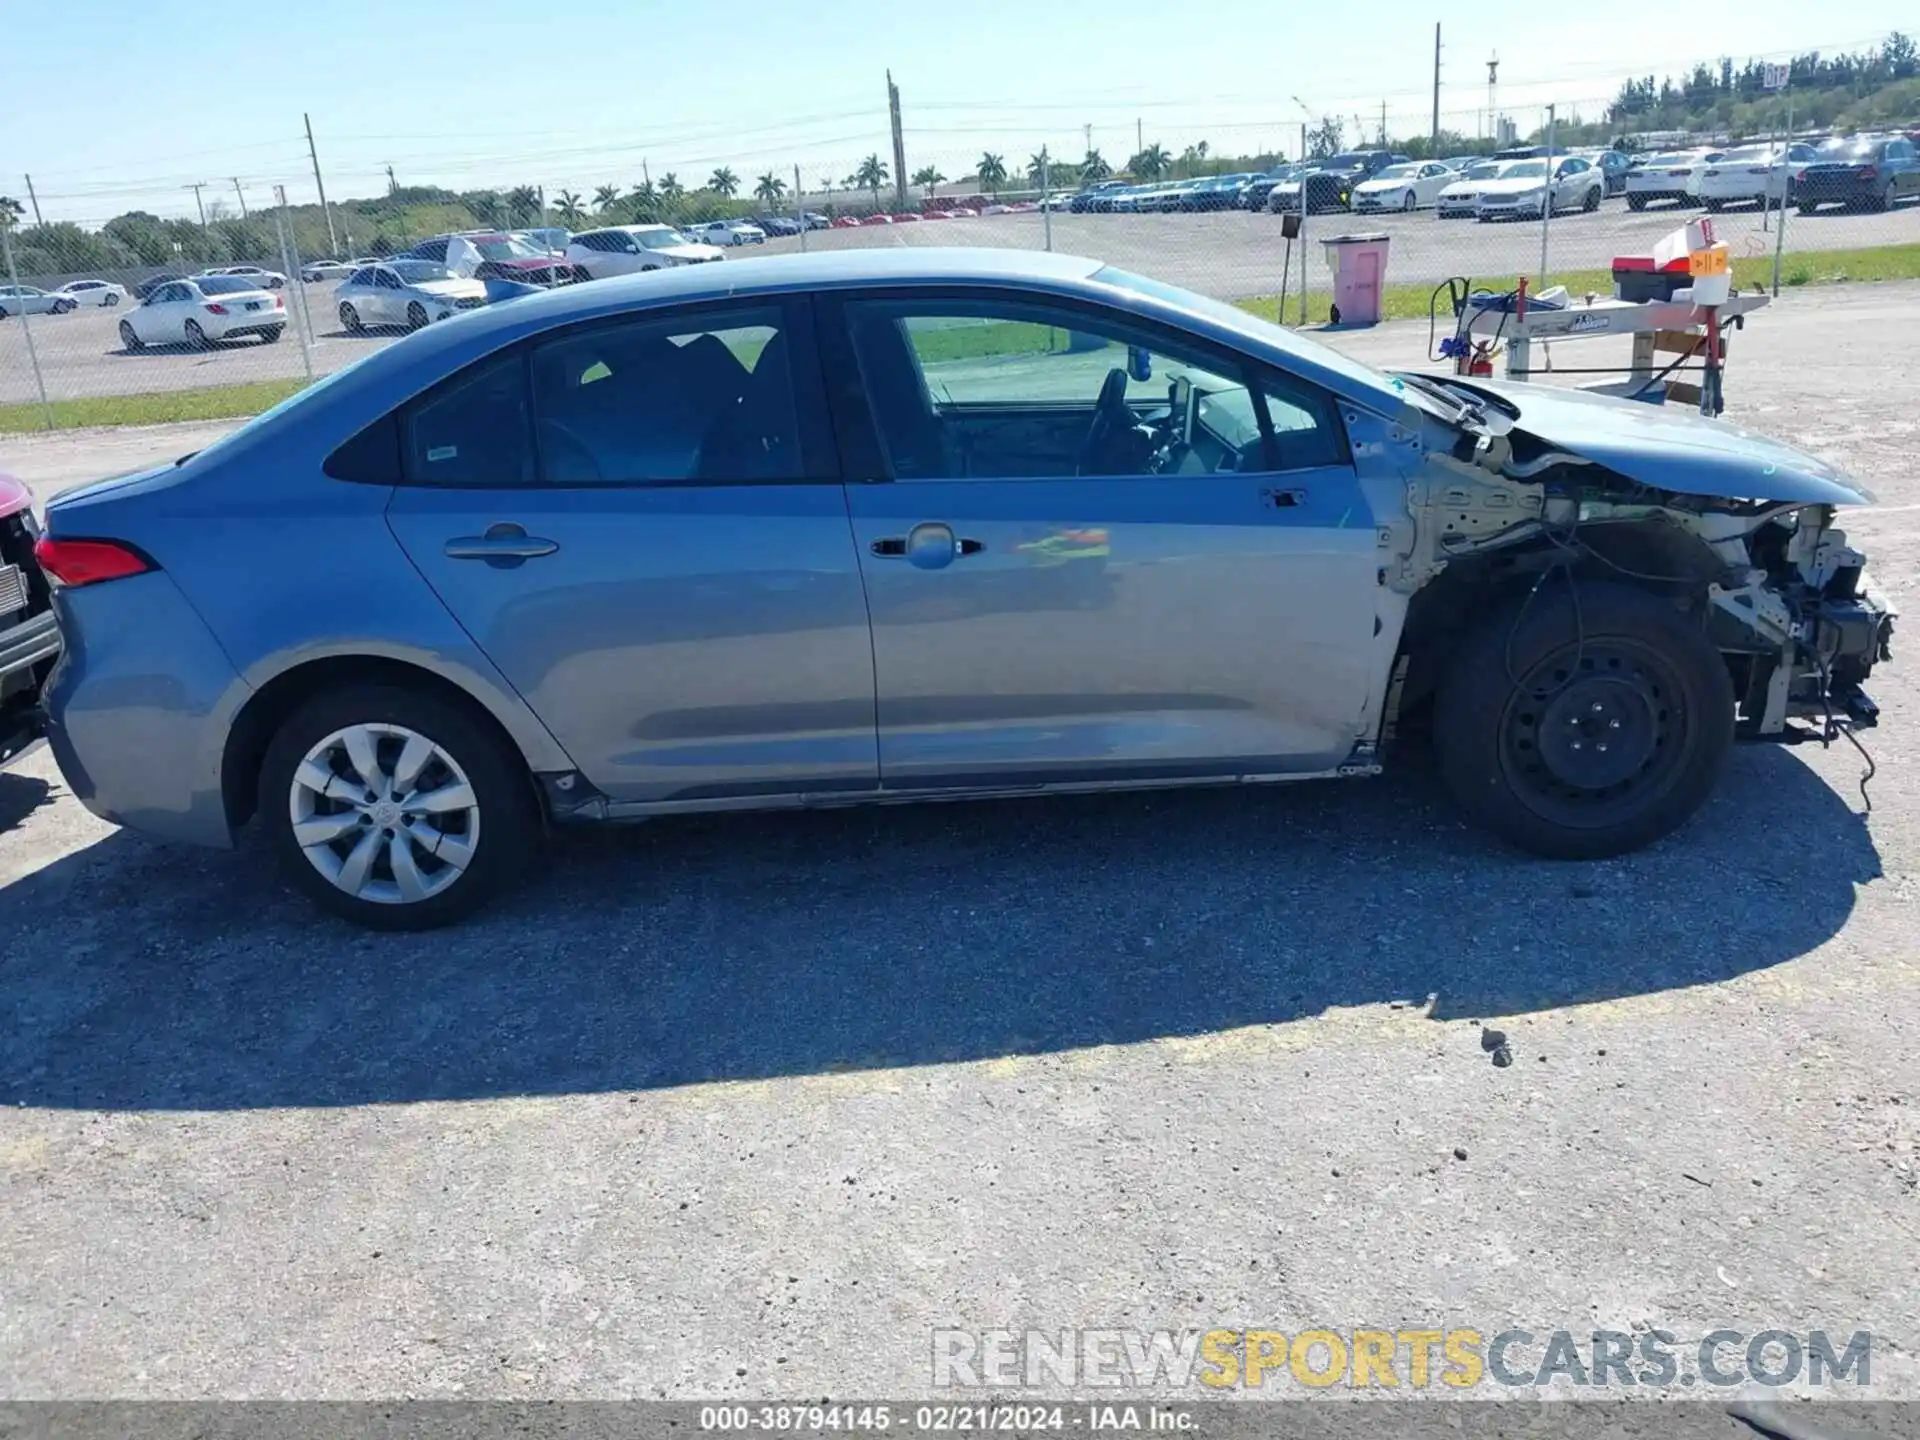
[(641, 522), (1096, 551), (167, 309), (388, 299)]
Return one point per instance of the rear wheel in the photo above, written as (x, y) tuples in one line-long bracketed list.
[(196, 337), (128, 336), (396, 808), (416, 316), (1636, 202), (1584, 724), (1592, 202), (350, 320), (273, 335)]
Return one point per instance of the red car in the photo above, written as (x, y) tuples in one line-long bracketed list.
[(846, 222), (879, 217), (29, 634), (502, 257), (901, 217)]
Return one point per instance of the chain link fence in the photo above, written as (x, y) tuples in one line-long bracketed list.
[(81, 341)]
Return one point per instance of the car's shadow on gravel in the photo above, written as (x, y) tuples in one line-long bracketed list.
[(738, 947)]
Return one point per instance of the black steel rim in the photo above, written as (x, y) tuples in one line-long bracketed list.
[(1596, 733)]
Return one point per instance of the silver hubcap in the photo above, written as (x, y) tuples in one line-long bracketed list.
[(384, 813)]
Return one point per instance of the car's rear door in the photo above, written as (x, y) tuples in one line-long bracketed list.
[(641, 522), (1059, 598)]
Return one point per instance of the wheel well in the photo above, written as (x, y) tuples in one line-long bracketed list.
[(1653, 555), (262, 716)]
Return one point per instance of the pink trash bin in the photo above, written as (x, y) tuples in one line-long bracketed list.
[(1359, 265)]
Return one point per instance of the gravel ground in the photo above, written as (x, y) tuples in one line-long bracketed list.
[(1231, 255), (748, 1106)]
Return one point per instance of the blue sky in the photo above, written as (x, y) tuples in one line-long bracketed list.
[(573, 95)]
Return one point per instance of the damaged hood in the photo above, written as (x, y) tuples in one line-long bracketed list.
[(1668, 448)]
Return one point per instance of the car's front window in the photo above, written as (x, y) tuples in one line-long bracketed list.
[(505, 248), (1526, 170), (1481, 172), (1398, 172)]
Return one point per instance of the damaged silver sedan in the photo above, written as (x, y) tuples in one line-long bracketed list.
[(912, 524)]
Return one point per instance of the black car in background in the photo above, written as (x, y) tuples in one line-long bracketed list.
[(1330, 182), (1613, 166), (1861, 174), (1087, 198), (1258, 189)]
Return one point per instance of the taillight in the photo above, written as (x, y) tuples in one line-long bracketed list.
[(213, 309), (87, 562), (278, 303), (1867, 172)]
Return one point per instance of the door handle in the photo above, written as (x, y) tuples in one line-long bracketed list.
[(929, 545), (502, 544)]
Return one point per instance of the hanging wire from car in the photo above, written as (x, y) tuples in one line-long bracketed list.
[(1833, 728)]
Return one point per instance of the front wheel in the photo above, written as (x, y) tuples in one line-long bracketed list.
[(196, 337), (63, 307), (1636, 202), (1716, 206), (396, 808), (416, 316), (1592, 202), (1584, 723), (129, 337), (111, 300)]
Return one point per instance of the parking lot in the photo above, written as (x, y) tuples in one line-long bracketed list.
[(749, 1105), (1231, 254)]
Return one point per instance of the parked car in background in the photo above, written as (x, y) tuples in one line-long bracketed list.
[(1059, 200), (412, 293), (550, 238), (1259, 190), (94, 292), (1215, 192), (1415, 185), (29, 632), (1521, 190), (488, 255), (612, 555), (204, 310), (315, 271), (152, 283), (814, 220), (1459, 198), (262, 278), (727, 232), (1754, 174), (777, 225), (28, 300), (1670, 175), (1861, 174), (1461, 162), (1086, 200), (629, 249), (1330, 182)]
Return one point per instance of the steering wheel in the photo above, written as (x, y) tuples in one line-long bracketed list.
[(1111, 420)]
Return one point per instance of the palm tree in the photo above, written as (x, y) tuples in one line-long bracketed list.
[(606, 195), (522, 205), (568, 207), (993, 172), (769, 188), (1040, 168), (1094, 167), (1151, 163), (670, 187), (1193, 157), (871, 175), (928, 177), (723, 182), (11, 212)]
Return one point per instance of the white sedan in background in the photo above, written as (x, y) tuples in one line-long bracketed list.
[(26, 300), (203, 311), (1671, 175), (413, 293), (262, 278), (1459, 198), (94, 292), (1521, 189), (1753, 171), (629, 249), (1413, 186), (728, 232), (317, 270)]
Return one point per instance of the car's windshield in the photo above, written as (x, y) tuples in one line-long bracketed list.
[(1848, 150), (505, 247), (1398, 172), (1485, 170), (1752, 152), (1525, 170), (225, 284), (659, 239), (414, 271)]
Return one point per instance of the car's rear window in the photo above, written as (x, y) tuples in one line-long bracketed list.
[(226, 284)]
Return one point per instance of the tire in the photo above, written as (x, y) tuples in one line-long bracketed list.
[(1407, 205), (1714, 207), (1805, 208), (490, 841), (1884, 200), (1531, 701), (350, 319), (416, 316), (129, 338), (111, 301), (63, 307), (196, 337), (1591, 203), (272, 336), (1636, 202)]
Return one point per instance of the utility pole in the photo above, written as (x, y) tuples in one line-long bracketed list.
[(333, 241), (1089, 139), (1383, 124), (645, 174), (1139, 136), (1433, 143), (392, 184), (34, 200), (899, 145), (1546, 204), (799, 210), (1493, 77), (196, 188), (243, 196)]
